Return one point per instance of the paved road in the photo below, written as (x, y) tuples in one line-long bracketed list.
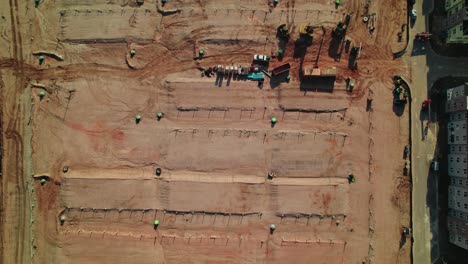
[(426, 68)]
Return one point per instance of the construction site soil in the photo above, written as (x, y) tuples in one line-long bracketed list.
[(79, 182)]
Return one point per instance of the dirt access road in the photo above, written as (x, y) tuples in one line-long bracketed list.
[(215, 144)]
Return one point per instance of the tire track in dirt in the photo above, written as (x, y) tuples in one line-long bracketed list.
[(2, 85), (12, 133)]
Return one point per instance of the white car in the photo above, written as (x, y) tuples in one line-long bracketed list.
[(261, 57)]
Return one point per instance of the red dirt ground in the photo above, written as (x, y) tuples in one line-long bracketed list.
[(215, 144)]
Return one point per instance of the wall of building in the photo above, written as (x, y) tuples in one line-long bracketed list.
[(459, 181), (455, 22), (459, 127), (457, 139), (455, 33), (456, 92), (458, 198), (457, 165), (457, 104), (458, 226), (458, 214), (458, 240), (449, 4), (457, 116), (458, 149)]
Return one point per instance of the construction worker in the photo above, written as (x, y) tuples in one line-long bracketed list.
[(201, 53), (274, 120), (397, 90), (137, 119), (272, 228), (156, 224), (351, 87), (41, 94), (159, 115), (348, 80), (62, 219), (132, 53), (337, 2), (41, 59)]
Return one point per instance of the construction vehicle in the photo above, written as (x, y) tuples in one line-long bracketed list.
[(406, 168), (265, 72), (280, 69), (340, 29), (263, 58), (413, 15), (305, 34), (255, 76), (245, 70), (353, 56), (400, 96), (406, 152), (406, 232), (306, 30), (283, 33)]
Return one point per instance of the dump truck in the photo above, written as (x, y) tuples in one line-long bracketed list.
[(280, 69)]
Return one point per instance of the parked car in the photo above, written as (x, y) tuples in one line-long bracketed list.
[(413, 15)]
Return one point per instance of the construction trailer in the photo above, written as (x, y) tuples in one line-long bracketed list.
[(316, 72), (317, 79), (280, 69)]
